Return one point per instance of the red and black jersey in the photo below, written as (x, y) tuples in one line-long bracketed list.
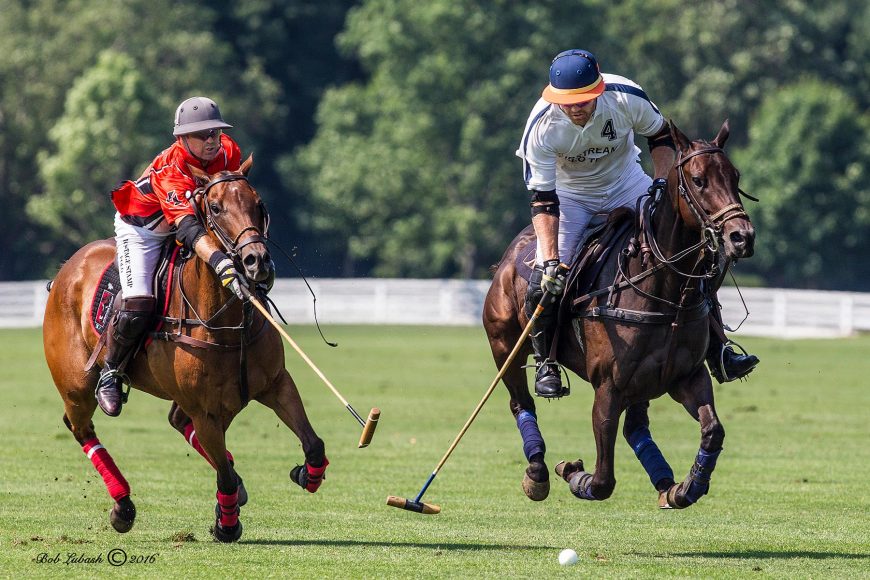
[(159, 197)]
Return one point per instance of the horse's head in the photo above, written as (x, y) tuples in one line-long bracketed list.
[(704, 187), (237, 218)]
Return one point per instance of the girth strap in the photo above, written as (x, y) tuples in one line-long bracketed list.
[(641, 317), (196, 343)]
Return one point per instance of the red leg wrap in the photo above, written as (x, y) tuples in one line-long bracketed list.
[(116, 485), (229, 505), (315, 475), (190, 437)]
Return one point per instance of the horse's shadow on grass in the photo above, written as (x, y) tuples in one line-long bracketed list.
[(428, 545), (763, 555)]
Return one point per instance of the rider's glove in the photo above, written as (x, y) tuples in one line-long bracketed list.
[(659, 187), (227, 273), (553, 280)]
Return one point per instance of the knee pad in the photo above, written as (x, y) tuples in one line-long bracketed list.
[(534, 293), (134, 318)]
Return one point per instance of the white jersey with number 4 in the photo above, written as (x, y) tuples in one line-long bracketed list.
[(588, 161)]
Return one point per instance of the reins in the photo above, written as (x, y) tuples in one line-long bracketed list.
[(233, 246), (647, 241)]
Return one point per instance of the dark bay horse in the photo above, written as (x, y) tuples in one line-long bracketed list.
[(636, 325), (219, 355)]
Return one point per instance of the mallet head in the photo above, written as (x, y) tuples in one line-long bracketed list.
[(413, 506), (369, 429)]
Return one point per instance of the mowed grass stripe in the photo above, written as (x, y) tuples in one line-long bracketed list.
[(790, 496)]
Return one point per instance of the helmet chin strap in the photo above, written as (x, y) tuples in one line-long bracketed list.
[(202, 161)]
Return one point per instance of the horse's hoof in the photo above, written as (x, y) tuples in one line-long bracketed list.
[(297, 477), (226, 535), (663, 501), (123, 515), (535, 490), (673, 499), (243, 493), (565, 469)]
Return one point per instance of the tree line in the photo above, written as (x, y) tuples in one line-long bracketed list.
[(384, 131)]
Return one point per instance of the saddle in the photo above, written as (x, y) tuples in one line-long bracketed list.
[(593, 247), (604, 232), (104, 302)]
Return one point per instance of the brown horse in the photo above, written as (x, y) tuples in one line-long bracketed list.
[(220, 355), (636, 325)]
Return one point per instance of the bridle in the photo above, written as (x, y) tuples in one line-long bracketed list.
[(713, 224), (231, 245)]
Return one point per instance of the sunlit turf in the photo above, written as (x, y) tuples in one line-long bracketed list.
[(790, 496)]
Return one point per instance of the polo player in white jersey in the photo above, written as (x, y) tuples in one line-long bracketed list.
[(579, 158)]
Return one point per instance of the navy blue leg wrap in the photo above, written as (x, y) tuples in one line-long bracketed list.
[(699, 476), (533, 441), (649, 455)]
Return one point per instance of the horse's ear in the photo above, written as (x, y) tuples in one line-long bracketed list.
[(246, 166), (199, 175), (681, 140), (722, 136)]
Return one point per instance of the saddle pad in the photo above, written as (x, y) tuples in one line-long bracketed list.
[(109, 286), (526, 259), (103, 302)]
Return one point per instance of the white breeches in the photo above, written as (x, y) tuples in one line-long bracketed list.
[(575, 211), (138, 254)]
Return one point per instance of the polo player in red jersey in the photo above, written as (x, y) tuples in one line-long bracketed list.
[(152, 208)]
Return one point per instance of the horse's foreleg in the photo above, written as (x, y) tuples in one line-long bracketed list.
[(78, 421), (605, 424), (536, 480), (211, 434), (284, 399), (182, 423), (636, 433), (697, 397)]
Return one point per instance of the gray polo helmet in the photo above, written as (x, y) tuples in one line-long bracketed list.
[(198, 114)]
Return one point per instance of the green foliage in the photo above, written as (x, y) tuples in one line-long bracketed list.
[(808, 160), (415, 170), (407, 168), (111, 121), (412, 173)]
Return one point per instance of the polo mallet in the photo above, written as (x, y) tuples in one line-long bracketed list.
[(415, 505), (368, 425)]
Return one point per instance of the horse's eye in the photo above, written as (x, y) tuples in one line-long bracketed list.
[(215, 208), (699, 183)]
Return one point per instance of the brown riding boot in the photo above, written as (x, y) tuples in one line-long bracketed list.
[(128, 326)]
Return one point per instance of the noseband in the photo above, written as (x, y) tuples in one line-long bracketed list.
[(712, 224), (232, 246)]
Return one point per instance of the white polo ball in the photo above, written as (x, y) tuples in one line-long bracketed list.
[(567, 557)]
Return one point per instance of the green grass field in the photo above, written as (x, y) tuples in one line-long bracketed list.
[(790, 496)]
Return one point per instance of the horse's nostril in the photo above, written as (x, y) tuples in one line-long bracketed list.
[(250, 260), (738, 239)]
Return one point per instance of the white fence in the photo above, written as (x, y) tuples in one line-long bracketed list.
[(773, 312)]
